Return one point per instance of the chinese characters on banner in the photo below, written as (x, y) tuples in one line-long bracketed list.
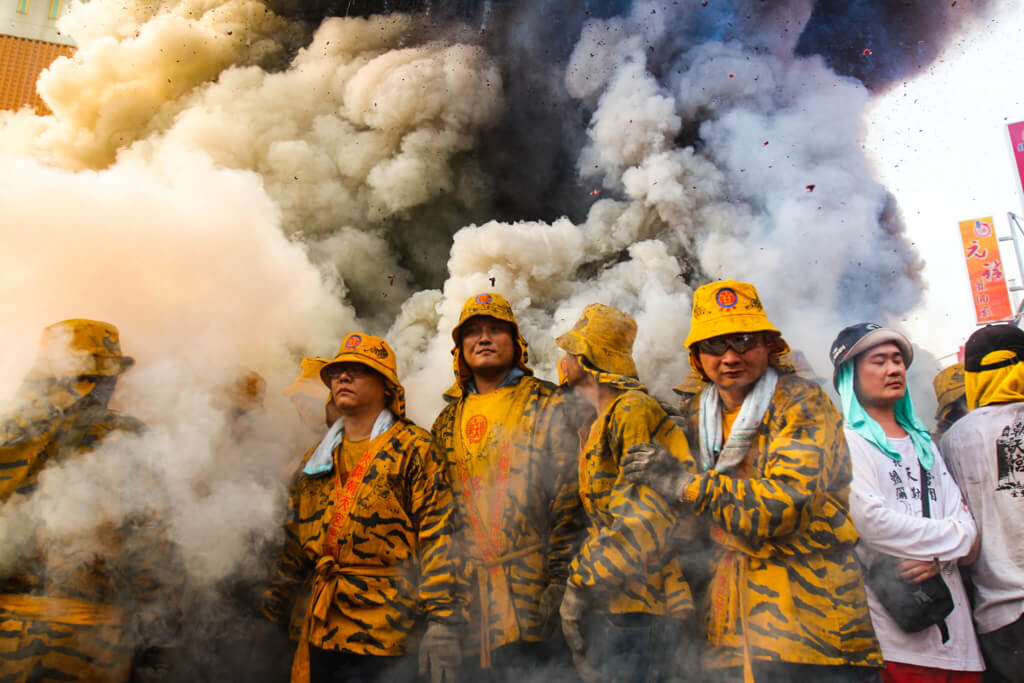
[(985, 270)]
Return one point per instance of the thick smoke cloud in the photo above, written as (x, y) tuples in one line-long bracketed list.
[(883, 42), (202, 285), (235, 189)]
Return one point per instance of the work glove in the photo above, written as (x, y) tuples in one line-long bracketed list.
[(574, 604), (652, 465), (440, 653), (571, 611), (550, 602)]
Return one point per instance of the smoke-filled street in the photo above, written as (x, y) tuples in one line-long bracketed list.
[(240, 184)]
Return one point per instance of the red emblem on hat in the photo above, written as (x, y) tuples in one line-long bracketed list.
[(353, 341), (726, 297), (484, 298)]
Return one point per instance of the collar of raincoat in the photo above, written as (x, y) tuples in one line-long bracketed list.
[(1001, 385), (495, 306)]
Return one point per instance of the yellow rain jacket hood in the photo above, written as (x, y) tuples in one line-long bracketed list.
[(730, 307), (949, 388), (1001, 385), (603, 338), (994, 371), (949, 385), (495, 306), (376, 354)]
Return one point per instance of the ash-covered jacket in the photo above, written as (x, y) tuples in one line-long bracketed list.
[(782, 571), (75, 618), (538, 524), (383, 568), (630, 557)]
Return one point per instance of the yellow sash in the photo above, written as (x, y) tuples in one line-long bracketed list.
[(59, 610)]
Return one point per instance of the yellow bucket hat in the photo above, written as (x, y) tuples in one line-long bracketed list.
[(730, 307), (796, 361), (726, 307), (604, 336), (949, 387), (376, 354), (76, 347), (308, 382), (692, 385), (492, 305), (307, 393)]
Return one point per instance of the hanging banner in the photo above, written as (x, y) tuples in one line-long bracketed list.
[(985, 270), (1017, 141)]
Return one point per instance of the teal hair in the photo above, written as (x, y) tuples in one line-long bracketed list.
[(859, 421)]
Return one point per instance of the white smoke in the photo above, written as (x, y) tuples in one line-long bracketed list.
[(195, 271), (231, 201), (779, 194)]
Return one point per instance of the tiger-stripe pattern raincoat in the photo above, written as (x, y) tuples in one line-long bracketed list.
[(533, 527), (784, 584), (377, 572), (62, 618), (630, 556)]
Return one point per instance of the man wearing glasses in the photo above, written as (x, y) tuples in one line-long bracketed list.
[(783, 595), (370, 520)]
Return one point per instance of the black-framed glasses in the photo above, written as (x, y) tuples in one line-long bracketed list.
[(740, 343), (353, 370)]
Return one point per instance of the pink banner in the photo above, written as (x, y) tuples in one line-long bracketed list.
[(1017, 140)]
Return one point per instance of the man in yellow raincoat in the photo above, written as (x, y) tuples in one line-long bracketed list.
[(510, 446), (626, 585), (370, 519), (62, 617), (784, 599)]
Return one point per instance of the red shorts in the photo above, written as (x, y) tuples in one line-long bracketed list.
[(896, 672)]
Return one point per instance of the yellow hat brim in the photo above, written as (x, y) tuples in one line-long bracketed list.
[(605, 359)]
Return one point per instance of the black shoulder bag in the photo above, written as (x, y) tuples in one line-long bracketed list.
[(913, 606)]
